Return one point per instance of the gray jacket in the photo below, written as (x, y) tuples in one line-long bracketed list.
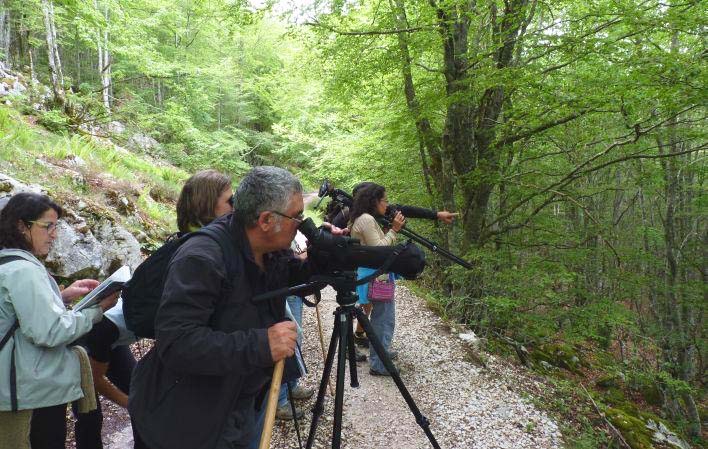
[(47, 371)]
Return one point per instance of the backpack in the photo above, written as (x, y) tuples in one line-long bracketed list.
[(6, 338), (142, 293)]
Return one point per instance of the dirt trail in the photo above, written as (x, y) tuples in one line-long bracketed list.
[(468, 406)]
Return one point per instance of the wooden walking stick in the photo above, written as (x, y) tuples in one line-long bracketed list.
[(271, 405), (324, 355)]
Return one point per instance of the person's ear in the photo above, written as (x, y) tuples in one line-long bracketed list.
[(265, 221), (22, 226)]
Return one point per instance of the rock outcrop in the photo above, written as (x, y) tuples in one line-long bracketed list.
[(80, 251)]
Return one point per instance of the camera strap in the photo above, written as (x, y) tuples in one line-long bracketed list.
[(382, 269)]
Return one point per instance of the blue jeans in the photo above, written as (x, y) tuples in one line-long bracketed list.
[(295, 304), (383, 320)]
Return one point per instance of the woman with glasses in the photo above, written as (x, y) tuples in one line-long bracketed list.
[(40, 374), (371, 202), (205, 196)]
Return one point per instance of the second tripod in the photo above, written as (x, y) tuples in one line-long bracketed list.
[(342, 345)]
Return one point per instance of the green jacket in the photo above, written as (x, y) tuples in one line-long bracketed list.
[(47, 371)]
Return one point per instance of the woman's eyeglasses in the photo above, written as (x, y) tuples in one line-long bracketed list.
[(48, 225)]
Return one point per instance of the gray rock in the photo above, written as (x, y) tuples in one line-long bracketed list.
[(119, 247), (75, 254), (116, 127), (75, 161), (142, 142), (664, 435)]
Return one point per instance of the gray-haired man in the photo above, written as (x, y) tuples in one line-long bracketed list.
[(215, 347)]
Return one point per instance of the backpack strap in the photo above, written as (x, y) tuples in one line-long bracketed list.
[(228, 249), (5, 339)]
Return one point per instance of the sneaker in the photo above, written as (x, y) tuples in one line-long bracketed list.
[(360, 356), (379, 373), (285, 412), (302, 393), (361, 339)]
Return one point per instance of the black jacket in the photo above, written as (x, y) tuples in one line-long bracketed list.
[(211, 353)]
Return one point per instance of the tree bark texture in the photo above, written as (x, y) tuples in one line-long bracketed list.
[(5, 36), (53, 57)]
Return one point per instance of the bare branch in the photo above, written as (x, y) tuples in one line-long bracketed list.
[(372, 32)]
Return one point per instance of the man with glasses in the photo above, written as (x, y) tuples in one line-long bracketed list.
[(202, 383)]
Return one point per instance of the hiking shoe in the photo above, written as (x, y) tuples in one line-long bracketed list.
[(285, 412), (360, 356), (361, 339), (379, 373), (302, 393)]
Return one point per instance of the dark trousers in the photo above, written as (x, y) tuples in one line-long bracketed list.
[(138, 442), (88, 425), (48, 428)]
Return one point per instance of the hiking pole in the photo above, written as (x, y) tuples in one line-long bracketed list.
[(324, 355), (271, 405)]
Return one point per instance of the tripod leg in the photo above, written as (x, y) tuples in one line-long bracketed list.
[(391, 368), (341, 368), (351, 352), (318, 409)]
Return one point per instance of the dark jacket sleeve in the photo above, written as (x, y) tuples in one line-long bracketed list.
[(185, 342), (416, 212)]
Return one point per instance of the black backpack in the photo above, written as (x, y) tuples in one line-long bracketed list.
[(141, 294), (5, 339)]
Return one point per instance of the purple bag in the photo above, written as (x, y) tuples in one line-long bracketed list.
[(382, 291)]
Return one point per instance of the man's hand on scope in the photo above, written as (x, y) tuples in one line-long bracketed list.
[(447, 217), (282, 339), (398, 221)]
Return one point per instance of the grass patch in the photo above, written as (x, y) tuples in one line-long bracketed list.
[(24, 147)]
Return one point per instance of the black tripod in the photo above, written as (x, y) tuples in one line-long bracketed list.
[(342, 340)]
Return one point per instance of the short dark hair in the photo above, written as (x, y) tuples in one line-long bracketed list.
[(195, 206), (366, 200), (25, 207)]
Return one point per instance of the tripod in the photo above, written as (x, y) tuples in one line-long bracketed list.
[(342, 344)]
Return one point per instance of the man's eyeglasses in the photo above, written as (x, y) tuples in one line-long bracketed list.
[(299, 219), (48, 225)]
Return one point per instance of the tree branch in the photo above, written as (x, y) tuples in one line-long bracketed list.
[(371, 32)]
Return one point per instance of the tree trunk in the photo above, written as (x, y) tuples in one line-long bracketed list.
[(438, 169), (470, 127), (53, 53), (104, 67), (4, 36)]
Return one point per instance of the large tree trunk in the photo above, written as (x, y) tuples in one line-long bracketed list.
[(439, 168), (4, 35), (104, 64), (54, 60), (470, 126)]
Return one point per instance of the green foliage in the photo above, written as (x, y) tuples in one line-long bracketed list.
[(55, 121)]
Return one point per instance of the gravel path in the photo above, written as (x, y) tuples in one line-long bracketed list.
[(468, 406)]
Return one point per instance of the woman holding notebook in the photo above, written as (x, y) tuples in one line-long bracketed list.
[(36, 327)]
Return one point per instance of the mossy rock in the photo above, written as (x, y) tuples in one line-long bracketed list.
[(5, 186), (633, 429), (616, 397), (650, 391), (559, 355), (610, 381)]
